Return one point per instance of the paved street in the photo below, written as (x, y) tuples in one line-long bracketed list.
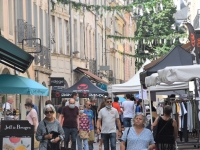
[(96, 146)]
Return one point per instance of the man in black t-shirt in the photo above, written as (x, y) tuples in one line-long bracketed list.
[(70, 114)]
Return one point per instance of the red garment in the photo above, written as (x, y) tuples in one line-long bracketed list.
[(116, 106), (84, 123), (70, 117)]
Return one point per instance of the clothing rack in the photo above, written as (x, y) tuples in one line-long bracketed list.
[(170, 102)]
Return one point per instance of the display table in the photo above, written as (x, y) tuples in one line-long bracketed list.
[(17, 135)]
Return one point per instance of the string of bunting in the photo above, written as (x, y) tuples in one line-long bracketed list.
[(136, 5), (150, 38)]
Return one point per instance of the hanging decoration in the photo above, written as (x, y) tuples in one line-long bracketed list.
[(150, 38), (128, 8)]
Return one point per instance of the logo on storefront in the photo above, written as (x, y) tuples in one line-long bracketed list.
[(85, 94), (82, 87), (57, 94)]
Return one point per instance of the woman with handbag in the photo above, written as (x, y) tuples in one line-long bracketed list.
[(49, 131), (137, 137), (32, 117), (165, 130), (84, 129)]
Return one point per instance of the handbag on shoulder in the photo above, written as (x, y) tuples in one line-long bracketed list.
[(50, 145), (83, 134)]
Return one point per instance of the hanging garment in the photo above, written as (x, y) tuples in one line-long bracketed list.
[(189, 117)]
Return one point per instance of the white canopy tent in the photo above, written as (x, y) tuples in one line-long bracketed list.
[(170, 75), (133, 85), (153, 83)]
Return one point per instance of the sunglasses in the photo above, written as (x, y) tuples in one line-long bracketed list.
[(47, 112), (108, 101)]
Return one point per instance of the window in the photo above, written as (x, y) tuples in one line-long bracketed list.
[(28, 12), (53, 33), (60, 36), (47, 27), (75, 35), (90, 45), (41, 26), (36, 19), (1, 14), (67, 42), (10, 13), (20, 9), (131, 49), (81, 40)]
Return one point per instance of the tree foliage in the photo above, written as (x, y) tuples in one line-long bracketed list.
[(157, 23)]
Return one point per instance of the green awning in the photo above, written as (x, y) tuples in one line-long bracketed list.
[(13, 56)]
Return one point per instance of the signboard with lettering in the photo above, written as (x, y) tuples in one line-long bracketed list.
[(16, 134), (56, 81)]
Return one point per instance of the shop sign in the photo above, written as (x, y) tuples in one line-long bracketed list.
[(16, 135), (56, 81)]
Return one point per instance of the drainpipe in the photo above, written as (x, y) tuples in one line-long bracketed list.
[(124, 54), (84, 29), (105, 38), (49, 31), (96, 39), (71, 54)]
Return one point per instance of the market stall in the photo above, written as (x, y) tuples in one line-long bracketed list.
[(84, 87), (18, 134)]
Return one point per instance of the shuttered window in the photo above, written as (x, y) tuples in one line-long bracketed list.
[(41, 26), (36, 19), (20, 9), (28, 12)]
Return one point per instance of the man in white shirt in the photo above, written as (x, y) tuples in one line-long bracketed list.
[(108, 116), (7, 105), (128, 107), (7, 108)]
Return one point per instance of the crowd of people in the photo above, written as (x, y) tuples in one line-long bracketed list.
[(74, 126)]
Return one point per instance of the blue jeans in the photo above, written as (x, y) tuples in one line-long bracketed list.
[(109, 137), (73, 132), (127, 122), (79, 143)]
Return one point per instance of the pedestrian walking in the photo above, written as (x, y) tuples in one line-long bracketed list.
[(49, 131), (128, 107), (70, 113), (84, 129), (32, 118), (76, 98), (90, 114), (60, 110), (102, 105), (29, 100), (139, 106), (166, 130), (138, 137), (108, 116), (50, 102), (116, 105)]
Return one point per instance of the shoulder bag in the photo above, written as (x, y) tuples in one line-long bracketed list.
[(50, 145), (127, 138)]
